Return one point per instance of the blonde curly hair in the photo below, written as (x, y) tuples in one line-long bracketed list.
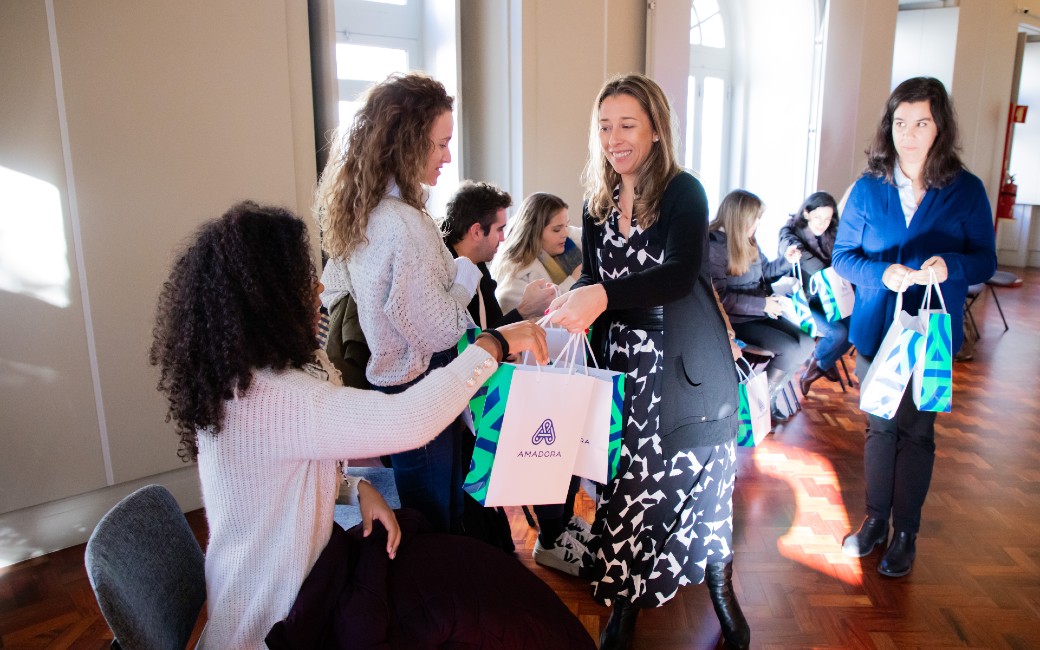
[(388, 140)]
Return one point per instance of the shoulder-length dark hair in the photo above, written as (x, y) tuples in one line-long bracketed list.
[(660, 167), (816, 200), (239, 298), (942, 163), (389, 140)]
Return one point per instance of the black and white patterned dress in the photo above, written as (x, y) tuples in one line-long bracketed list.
[(661, 519)]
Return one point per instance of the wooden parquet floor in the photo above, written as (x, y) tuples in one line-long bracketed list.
[(975, 583)]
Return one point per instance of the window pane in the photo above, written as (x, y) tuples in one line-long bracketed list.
[(711, 137), (713, 32), (368, 62), (390, 2), (347, 111), (691, 122), (706, 7)]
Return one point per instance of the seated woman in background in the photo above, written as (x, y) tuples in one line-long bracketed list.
[(741, 275), (263, 415), (812, 231), (537, 234)]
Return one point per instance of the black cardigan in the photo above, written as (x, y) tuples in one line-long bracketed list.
[(699, 389)]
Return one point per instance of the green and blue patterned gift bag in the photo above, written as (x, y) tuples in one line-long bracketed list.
[(933, 376)]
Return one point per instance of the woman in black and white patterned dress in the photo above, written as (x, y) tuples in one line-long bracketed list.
[(666, 519)]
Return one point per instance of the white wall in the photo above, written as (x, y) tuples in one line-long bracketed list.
[(857, 74), (140, 120), (540, 65), (926, 41), (1025, 153)]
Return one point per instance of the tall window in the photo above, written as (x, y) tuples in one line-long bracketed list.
[(708, 99), (374, 38)]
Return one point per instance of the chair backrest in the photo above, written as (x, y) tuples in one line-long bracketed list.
[(147, 571)]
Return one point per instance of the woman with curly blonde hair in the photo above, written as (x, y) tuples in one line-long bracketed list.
[(386, 251)]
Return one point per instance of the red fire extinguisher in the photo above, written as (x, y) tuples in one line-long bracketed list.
[(1006, 199)]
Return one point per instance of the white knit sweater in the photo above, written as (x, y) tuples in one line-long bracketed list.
[(270, 480), (403, 280)]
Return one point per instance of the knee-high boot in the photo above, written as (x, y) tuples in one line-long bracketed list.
[(719, 578), (617, 635)]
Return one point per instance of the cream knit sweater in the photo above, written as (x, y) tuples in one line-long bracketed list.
[(403, 280), (270, 480)]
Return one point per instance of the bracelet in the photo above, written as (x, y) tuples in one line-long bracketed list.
[(501, 342)]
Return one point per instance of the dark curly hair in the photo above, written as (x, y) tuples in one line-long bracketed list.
[(240, 297), (474, 202), (942, 163)]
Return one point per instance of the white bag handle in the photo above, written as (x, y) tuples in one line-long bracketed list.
[(933, 283), (899, 295), (814, 286)]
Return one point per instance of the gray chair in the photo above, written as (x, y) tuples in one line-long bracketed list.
[(147, 571)]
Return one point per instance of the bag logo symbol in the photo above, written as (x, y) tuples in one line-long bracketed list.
[(546, 433)]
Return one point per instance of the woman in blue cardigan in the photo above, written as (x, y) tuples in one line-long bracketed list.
[(916, 210)]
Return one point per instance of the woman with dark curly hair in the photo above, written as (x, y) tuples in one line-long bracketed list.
[(261, 412), (386, 251)]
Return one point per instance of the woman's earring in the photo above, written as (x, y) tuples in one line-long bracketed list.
[(656, 138)]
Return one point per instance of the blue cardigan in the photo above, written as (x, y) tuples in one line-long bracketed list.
[(954, 222)]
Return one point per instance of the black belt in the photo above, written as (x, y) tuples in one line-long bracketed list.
[(650, 318)]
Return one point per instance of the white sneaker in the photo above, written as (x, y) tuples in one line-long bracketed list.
[(580, 530), (567, 555)]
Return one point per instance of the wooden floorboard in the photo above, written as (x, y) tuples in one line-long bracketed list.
[(975, 584)]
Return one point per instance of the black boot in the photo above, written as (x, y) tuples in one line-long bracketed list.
[(872, 532), (899, 558), (617, 635), (719, 578)]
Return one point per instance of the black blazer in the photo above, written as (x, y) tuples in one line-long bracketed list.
[(699, 391)]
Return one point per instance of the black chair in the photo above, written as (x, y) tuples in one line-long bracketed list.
[(1000, 279)]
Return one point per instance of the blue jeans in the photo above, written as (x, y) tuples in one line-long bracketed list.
[(429, 479), (833, 341)]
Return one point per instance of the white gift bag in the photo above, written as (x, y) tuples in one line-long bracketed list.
[(793, 301), (754, 424), (600, 447), (528, 434), (893, 365), (836, 294)]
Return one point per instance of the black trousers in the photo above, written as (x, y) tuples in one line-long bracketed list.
[(898, 457), (791, 345)]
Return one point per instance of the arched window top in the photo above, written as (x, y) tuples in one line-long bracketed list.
[(706, 26)]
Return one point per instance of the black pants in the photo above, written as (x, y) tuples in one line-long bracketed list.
[(791, 345), (898, 457)]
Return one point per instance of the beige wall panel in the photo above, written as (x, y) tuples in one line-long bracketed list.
[(175, 110), (48, 418), (858, 71), (570, 49)]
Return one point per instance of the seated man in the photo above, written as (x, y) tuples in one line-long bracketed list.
[(473, 228)]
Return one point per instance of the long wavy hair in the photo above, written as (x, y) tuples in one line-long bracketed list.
[(389, 140), (661, 166), (239, 298), (943, 161), (812, 202), (523, 241), (737, 211)]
